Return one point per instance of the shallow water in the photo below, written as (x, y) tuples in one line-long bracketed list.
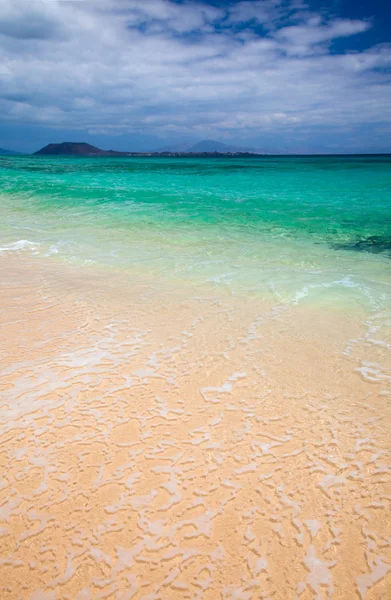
[(195, 379), (281, 226)]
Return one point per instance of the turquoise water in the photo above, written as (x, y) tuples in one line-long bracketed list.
[(296, 228)]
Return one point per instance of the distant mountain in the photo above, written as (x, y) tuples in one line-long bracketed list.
[(204, 146), (212, 146), (3, 151), (76, 149), (182, 146), (206, 149)]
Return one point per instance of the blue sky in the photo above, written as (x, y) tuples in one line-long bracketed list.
[(277, 76)]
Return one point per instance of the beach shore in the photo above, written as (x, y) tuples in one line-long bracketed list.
[(161, 442)]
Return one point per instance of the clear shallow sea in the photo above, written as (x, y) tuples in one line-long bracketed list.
[(290, 227)]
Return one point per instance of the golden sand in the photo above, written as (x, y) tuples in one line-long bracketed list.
[(167, 444)]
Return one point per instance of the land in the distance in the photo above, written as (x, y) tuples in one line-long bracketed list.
[(6, 151), (83, 149)]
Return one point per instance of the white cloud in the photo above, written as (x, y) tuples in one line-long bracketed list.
[(159, 66), (303, 39), (259, 11)]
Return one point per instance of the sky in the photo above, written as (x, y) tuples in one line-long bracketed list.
[(278, 76)]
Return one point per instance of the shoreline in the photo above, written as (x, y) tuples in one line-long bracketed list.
[(165, 445)]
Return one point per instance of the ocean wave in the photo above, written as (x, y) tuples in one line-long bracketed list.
[(19, 245)]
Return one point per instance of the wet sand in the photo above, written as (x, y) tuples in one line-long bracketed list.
[(163, 442)]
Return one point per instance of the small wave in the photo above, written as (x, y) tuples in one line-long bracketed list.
[(19, 245), (374, 372), (346, 282)]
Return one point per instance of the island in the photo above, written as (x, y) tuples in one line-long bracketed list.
[(76, 149), (82, 149)]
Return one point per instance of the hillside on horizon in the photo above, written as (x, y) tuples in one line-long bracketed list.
[(76, 149), (4, 151), (204, 146)]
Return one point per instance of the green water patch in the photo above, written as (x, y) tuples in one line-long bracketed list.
[(282, 224)]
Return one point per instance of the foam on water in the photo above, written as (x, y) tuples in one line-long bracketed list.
[(19, 245)]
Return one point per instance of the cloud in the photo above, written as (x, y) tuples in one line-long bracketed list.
[(304, 39), (259, 11), (22, 20), (182, 19), (161, 66)]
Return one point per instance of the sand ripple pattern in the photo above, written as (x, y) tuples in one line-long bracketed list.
[(156, 447)]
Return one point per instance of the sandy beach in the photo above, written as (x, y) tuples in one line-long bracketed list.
[(150, 451)]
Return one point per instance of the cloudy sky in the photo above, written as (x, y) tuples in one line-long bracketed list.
[(276, 75)]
